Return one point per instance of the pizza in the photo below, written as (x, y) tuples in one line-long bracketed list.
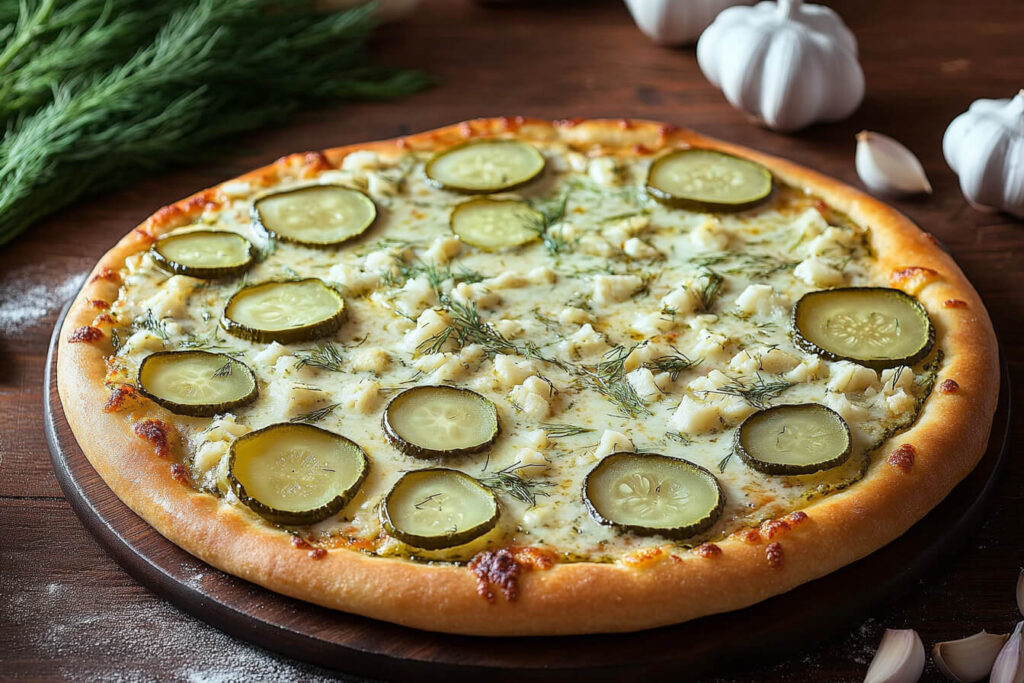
[(519, 377)]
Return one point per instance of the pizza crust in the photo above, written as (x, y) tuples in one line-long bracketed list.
[(948, 439)]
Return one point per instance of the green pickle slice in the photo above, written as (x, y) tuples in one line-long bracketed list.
[(493, 224), (652, 494), (315, 216), (206, 254), (296, 473), (875, 326), (438, 508), (440, 421), (794, 439), (196, 383), (484, 166), (707, 180), (285, 311)]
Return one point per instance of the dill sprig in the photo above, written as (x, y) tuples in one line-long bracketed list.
[(758, 393), (212, 69), (672, 363), (314, 416), (679, 437), (326, 355), (707, 287), (552, 212), (152, 324), (466, 327), (198, 342), (508, 481), (225, 370), (753, 266), (554, 430), (609, 378)]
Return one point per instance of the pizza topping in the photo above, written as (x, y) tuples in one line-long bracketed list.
[(773, 553), (708, 550), (498, 568), (206, 254), (197, 383), (874, 326), (285, 311), (484, 166), (295, 473), (438, 508), (156, 433), (706, 180), (794, 439), (949, 386), (440, 421), (85, 335), (954, 303), (119, 395), (902, 458), (180, 474), (648, 493), (493, 224), (315, 216), (913, 278), (772, 527)]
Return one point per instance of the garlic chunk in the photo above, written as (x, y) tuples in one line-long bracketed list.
[(887, 167), (1009, 666), (968, 659), (899, 658)]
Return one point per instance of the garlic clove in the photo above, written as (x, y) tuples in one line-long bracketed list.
[(899, 658), (1009, 666), (968, 659), (887, 167), (1020, 592)]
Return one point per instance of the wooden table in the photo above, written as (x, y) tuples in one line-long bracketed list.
[(68, 611)]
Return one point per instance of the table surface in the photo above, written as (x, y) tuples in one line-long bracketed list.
[(68, 611)]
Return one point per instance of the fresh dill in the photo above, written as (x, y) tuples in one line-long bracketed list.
[(725, 461), (326, 356), (314, 416), (225, 370), (758, 393), (609, 378), (433, 496), (753, 266), (674, 364), (897, 373), (679, 437), (560, 431), (707, 287), (152, 324), (552, 211), (115, 341), (197, 342), (508, 480)]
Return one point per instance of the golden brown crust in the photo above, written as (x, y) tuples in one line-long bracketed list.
[(946, 443)]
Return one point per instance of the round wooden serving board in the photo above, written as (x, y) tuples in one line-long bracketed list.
[(779, 626)]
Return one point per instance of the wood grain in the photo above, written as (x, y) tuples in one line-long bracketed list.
[(68, 611)]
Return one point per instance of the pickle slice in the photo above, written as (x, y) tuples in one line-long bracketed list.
[(649, 494), (706, 180), (440, 421), (315, 216), (493, 224), (206, 254), (794, 439), (875, 326), (296, 473), (483, 166), (438, 508), (285, 311), (196, 383)]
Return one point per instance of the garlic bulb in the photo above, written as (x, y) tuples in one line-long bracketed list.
[(887, 167), (899, 658), (671, 22), (968, 659), (985, 147), (1009, 666), (787, 64)]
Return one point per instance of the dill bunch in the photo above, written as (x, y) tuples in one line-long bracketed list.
[(213, 68)]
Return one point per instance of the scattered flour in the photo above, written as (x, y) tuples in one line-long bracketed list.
[(29, 295)]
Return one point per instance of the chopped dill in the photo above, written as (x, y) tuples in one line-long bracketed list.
[(707, 287), (150, 323), (225, 370), (326, 356), (314, 416), (679, 437), (560, 431), (609, 378), (431, 497), (552, 211), (725, 461), (115, 341), (673, 364), (758, 393), (197, 342), (507, 480)]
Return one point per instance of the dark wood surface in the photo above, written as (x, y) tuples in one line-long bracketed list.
[(68, 611)]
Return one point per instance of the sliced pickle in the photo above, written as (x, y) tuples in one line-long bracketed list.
[(436, 421), (706, 180), (493, 224), (315, 216), (438, 508), (874, 326), (206, 254), (296, 473), (197, 383), (648, 494), (484, 166), (794, 439), (285, 311)]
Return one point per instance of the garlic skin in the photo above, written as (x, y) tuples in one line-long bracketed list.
[(670, 22), (899, 658), (968, 659), (886, 167), (1009, 666), (787, 64), (985, 147)]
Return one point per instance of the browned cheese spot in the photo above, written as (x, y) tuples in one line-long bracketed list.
[(773, 553), (707, 550), (498, 568), (180, 474), (902, 458), (772, 527), (87, 334), (949, 386), (155, 432), (954, 303)]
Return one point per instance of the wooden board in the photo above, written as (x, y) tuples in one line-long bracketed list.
[(779, 626)]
